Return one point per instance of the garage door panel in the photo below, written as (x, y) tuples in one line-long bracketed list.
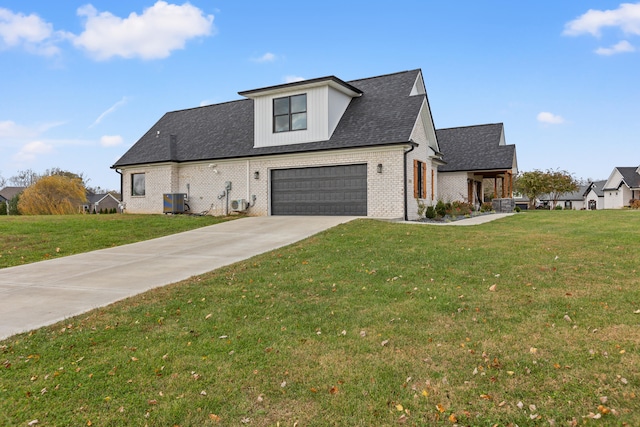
[(327, 190)]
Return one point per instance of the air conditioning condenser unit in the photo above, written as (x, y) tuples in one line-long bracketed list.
[(239, 205)]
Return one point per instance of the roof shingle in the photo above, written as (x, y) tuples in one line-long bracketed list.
[(475, 148), (384, 114)]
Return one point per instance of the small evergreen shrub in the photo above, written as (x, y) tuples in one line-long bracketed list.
[(441, 208), (430, 212), (421, 208), (558, 207)]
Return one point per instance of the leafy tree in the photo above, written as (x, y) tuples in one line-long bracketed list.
[(3, 207), (53, 195), (535, 183), (560, 182), (531, 184)]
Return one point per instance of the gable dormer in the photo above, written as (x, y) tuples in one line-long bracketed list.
[(300, 112)]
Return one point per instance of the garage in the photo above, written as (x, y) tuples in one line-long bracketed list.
[(326, 190)]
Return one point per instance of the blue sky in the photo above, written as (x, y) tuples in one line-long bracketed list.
[(81, 81)]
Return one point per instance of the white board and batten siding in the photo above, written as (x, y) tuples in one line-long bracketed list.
[(325, 107)]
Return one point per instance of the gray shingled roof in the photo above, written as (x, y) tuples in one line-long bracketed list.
[(597, 186), (577, 195), (630, 176), (475, 148), (8, 193), (384, 114)]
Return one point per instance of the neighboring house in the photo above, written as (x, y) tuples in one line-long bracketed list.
[(622, 186), (594, 196), (574, 200), (317, 147), (8, 193), (478, 162), (105, 202)]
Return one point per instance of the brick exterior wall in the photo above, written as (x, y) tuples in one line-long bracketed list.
[(206, 181), (453, 186)]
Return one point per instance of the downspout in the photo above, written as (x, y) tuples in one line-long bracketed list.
[(406, 195), (121, 184)]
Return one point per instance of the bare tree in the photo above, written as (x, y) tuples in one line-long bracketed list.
[(3, 181), (24, 178)]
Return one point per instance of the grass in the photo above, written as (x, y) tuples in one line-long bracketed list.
[(530, 320), (27, 239)]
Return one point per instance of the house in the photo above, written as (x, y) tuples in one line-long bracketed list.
[(479, 167), (6, 194), (573, 200), (317, 147), (105, 202), (594, 195), (622, 186)]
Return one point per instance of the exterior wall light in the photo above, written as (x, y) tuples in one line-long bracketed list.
[(256, 175), (379, 167)]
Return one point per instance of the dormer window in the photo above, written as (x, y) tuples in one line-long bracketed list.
[(290, 113)]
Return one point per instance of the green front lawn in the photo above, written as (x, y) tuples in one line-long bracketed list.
[(26, 239), (530, 320)]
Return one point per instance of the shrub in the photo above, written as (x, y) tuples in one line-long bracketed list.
[(3, 208), (486, 207), (13, 205), (421, 208), (441, 208), (430, 212), (460, 209), (517, 209), (634, 203), (558, 207)]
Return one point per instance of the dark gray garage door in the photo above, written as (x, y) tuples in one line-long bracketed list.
[(327, 190)]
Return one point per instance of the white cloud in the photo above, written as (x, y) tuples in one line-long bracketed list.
[(29, 32), (626, 17), (110, 140), (549, 118), (30, 151), (622, 47), (159, 30), (110, 110), (293, 79), (267, 57), (10, 129)]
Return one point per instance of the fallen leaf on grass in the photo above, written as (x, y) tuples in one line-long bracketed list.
[(333, 390), (453, 418), (385, 342), (214, 418), (399, 407), (492, 288), (440, 408)]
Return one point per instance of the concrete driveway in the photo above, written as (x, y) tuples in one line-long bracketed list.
[(42, 293)]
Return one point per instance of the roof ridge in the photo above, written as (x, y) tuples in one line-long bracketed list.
[(384, 75), (472, 126)]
